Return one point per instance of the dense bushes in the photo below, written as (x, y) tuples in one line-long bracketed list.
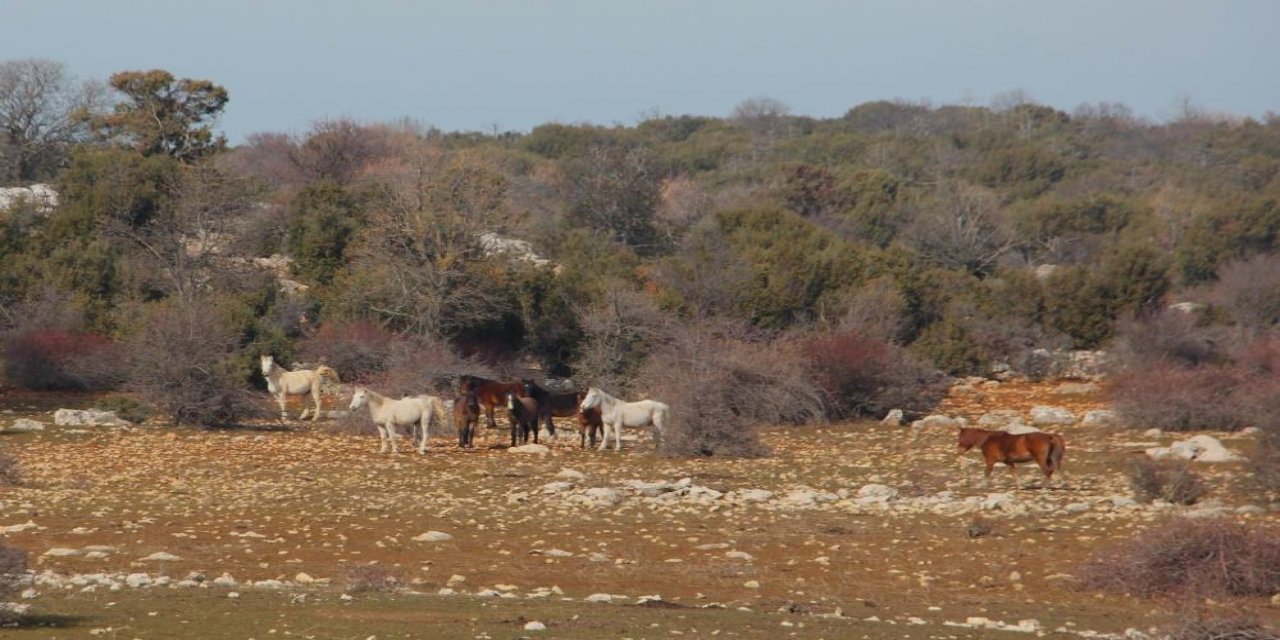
[(59, 359), (1190, 557), (860, 376)]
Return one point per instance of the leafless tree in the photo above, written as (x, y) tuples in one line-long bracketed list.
[(39, 105), (963, 227)]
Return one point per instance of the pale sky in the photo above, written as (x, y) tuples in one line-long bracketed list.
[(464, 65)]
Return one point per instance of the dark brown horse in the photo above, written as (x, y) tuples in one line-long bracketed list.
[(560, 405), (466, 416), (589, 422), (489, 393), (524, 418), (1045, 449)]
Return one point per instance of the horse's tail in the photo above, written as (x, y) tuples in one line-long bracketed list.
[(1057, 447), (327, 372)]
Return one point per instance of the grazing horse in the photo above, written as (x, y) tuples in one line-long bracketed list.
[(524, 418), (560, 405), (466, 415), (589, 422), (387, 414), (615, 414), (282, 383), (489, 393), (1045, 449)]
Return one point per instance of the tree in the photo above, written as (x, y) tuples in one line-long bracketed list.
[(38, 107), (163, 115), (615, 190), (963, 228)]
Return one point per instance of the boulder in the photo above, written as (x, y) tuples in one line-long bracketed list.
[(893, 418), (1202, 447), (937, 421), (87, 418), (22, 425), (1046, 416), (1100, 418)]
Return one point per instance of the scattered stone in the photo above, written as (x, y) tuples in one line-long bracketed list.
[(25, 425), (62, 552), (1046, 416), (937, 421), (539, 449), (1100, 418), (893, 418), (534, 625), (571, 474), (161, 556), (1202, 447), (87, 418), (599, 597), (432, 536), (739, 555)]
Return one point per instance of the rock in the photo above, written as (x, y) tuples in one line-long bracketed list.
[(1201, 447), (1021, 428), (599, 597), (432, 536), (571, 474), (1100, 418), (739, 555), (1275, 600), (1078, 388), (556, 487), (138, 580), (161, 556), (15, 528), (937, 421), (87, 418), (558, 553), (893, 418), (303, 578), (1046, 416), (1000, 419), (602, 497), (876, 493), (538, 449), (61, 552), (650, 489), (25, 425), (534, 625), (752, 584), (752, 495), (225, 580)]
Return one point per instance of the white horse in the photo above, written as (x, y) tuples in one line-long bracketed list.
[(616, 414), (387, 414), (282, 383)]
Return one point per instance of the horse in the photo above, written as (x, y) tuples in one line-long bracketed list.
[(387, 414), (1045, 449), (589, 422), (615, 414), (489, 393), (282, 383), (524, 418), (466, 414), (560, 405)]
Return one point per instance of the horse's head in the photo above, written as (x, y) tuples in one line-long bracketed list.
[(511, 401), (466, 383), (358, 399), (267, 362), (592, 399), (531, 388), (969, 438)]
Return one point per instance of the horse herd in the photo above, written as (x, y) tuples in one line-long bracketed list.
[(597, 412), (527, 403)]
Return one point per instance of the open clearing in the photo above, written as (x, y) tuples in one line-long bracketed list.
[(786, 546)]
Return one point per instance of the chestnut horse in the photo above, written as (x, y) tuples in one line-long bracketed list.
[(1045, 449), (489, 393), (589, 422)]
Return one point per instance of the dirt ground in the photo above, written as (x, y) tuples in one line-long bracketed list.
[(525, 543)]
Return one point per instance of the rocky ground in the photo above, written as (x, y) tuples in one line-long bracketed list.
[(849, 530)]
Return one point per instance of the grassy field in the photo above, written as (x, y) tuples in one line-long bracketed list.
[(525, 542)]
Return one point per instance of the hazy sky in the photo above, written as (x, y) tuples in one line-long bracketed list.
[(476, 65)]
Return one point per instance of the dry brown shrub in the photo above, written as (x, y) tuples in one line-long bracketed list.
[(1168, 480), (1206, 626), (1175, 398), (372, 578), (859, 375), (721, 387), (10, 470), (355, 349), (1190, 558), (13, 571)]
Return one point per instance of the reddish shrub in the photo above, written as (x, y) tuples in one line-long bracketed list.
[(1180, 399), (1190, 557), (1165, 480), (60, 359), (863, 376), (355, 349)]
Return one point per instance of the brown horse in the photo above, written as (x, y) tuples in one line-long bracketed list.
[(560, 405), (489, 393), (466, 415), (1045, 449), (589, 422)]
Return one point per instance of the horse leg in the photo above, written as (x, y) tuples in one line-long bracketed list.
[(617, 436), (382, 438), (604, 436), (315, 395), (391, 436), (280, 399), (422, 447), (1013, 473), (986, 476)]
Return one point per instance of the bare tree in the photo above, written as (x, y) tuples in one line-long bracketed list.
[(39, 105), (961, 228)]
